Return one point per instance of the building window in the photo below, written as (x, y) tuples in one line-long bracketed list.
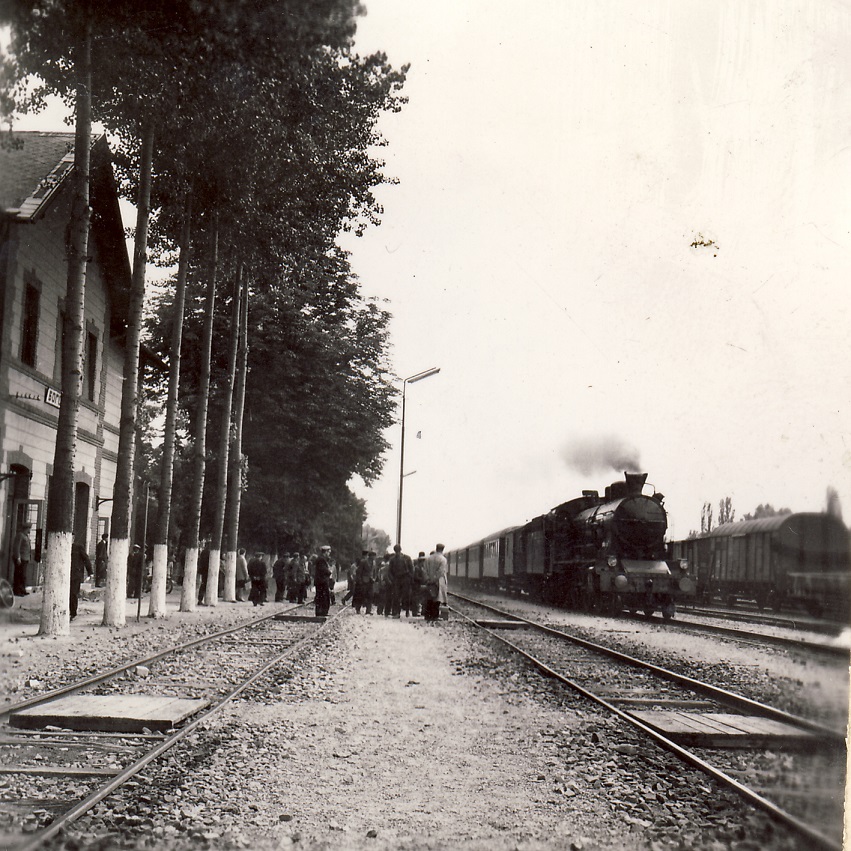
[(90, 368), (29, 325)]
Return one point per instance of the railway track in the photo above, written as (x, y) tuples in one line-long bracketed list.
[(803, 622), (67, 750), (834, 650), (790, 767)]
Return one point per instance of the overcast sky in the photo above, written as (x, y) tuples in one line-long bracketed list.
[(618, 226), (621, 231)]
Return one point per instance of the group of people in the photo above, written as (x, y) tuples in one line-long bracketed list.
[(394, 584), (81, 566), (293, 575), (398, 583)]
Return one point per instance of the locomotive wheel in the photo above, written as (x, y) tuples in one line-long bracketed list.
[(648, 612), (668, 611)]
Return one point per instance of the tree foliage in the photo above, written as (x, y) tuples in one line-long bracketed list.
[(766, 510)]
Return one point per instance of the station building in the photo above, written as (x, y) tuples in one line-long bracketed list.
[(35, 202)]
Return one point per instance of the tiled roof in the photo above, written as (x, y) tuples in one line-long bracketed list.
[(32, 165)]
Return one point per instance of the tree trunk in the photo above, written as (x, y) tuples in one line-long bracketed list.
[(212, 597), (188, 595), (115, 606), (236, 457), (55, 618), (157, 606)]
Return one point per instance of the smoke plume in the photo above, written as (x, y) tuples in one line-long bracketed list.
[(603, 453)]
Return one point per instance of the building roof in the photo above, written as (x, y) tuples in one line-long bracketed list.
[(32, 167)]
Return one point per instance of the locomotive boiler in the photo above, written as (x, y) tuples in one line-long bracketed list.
[(595, 553)]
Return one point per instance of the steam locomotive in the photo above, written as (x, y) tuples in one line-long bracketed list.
[(787, 561), (594, 553)]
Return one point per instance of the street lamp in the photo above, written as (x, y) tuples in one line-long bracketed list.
[(409, 380)]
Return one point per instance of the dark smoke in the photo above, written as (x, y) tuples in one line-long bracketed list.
[(595, 454)]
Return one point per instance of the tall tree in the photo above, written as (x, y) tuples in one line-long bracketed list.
[(199, 443), (55, 616), (157, 606), (236, 458), (726, 512), (115, 608), (226, 388)]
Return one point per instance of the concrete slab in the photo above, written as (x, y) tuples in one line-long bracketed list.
[(110, 712)]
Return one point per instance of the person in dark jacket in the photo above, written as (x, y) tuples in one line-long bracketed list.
[(81, 566), (279, 571), (418, 585), (135, 571), (257, 574), (203, 572), (321, 579), (363, 584), (400, 575), (101, 560)]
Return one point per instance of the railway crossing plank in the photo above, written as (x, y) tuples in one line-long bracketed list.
[(722, 730), (110, 712), (501, 624)]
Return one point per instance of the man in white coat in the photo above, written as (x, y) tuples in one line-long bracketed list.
[(436, 570)]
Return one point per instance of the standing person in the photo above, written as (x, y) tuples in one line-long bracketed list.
[(436, 569), (81, 566), (325, 552), (135, 570), (321, 579), (203, 571), (241, 575), (257, 574), (279, 572), (381, 589), (363, 584), (350, 583), (101, 560), (21, 555), (418, 585), (301, 578), (400, 571)]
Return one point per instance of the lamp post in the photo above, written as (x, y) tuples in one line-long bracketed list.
[(409, 380)]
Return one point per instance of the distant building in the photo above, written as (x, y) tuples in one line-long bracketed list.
[(35, 199)]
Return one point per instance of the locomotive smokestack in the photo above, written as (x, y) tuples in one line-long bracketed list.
[(635, 482)]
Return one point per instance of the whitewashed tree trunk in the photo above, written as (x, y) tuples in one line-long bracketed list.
[(115, 593), (159, 573), (229, 562), (211, 598), (55, 616), (189, 594)]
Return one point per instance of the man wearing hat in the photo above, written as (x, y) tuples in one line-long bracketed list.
[(21, 555)]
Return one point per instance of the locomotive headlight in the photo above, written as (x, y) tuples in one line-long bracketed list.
[(612, 561), (684, 565)]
